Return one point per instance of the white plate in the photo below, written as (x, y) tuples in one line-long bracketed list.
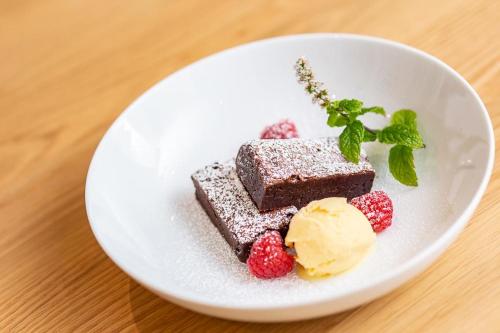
[(140, 199)]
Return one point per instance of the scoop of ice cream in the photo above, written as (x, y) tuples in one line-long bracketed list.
[(330, 236)]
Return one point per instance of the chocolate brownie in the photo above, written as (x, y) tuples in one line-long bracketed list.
[(231, 210), (294, 172)]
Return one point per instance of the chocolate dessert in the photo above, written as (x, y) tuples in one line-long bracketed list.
[(231, 209), (294, 172)]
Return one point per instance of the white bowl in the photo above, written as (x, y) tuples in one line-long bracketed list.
[(141, 204)]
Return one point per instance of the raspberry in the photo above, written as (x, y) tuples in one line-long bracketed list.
[(377, 207), (268, 258), (284, 129)]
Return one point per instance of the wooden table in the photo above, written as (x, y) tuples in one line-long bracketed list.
[(67, 70)]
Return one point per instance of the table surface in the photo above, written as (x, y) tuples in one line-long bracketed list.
[(67, 70)]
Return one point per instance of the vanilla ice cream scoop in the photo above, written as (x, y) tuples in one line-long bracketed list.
[(330, 236)]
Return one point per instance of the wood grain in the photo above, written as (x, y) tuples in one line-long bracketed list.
[(68, 68)]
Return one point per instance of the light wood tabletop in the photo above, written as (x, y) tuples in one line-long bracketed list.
[(69, 68)]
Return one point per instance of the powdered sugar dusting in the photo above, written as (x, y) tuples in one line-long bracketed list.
[(304, 158), (234, 206), (208, 269)]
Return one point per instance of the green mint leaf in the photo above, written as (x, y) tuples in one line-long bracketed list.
[(336, 120), (332, 119), (401, 135), (405, 117), (402, 165), (350, 141), (369, 136), (341, 122), (374, 109), (350, 105), (333, 106), (335, 117)]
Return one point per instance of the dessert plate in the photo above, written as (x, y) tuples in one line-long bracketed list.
[(140, 199)]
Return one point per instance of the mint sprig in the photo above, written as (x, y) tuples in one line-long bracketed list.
[(402, 131)]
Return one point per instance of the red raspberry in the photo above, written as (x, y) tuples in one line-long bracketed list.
[(285, 129), (377, 207), (268, 258)]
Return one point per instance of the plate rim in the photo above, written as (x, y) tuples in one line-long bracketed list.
[(409, 269)]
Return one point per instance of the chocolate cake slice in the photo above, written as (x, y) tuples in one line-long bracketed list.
[(231, 210), (294, 172)]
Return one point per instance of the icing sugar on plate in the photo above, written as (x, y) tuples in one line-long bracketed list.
[(226, 279)]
